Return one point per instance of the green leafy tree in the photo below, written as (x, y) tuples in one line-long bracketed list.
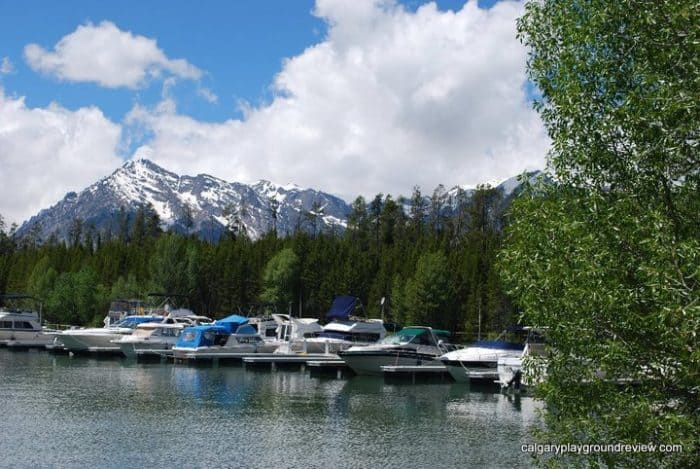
[(280, 278), (76, 298), (608, 257)]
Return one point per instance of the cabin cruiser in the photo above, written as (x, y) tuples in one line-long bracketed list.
[(292, 333), (266, 326), (227, 337), (414, 345), (157, 338), (101, 339), (22, 327), (479, 361), (345, 331), (121, 320)]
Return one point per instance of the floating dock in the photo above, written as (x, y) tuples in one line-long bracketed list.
[(416, 372), (326, 367), (275, 360)]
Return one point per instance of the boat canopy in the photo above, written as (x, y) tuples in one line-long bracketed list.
[(232, 323), (342, 307), (133, 321), (203, 336), (498, 344), (247, 329)]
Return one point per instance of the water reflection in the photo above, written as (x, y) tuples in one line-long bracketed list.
[(124, 414)]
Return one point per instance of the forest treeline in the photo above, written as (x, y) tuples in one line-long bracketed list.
[(433, 262)]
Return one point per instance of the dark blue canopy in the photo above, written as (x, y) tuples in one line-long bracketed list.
[(247, 329), (232, 323), (498, 344), (342, 307)]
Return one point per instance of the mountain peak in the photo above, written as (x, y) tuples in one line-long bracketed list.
[(203, 205)]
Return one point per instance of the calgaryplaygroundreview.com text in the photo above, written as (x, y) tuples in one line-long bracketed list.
[(600, 448)]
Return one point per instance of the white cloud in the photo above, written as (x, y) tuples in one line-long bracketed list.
[(389, 99), (108, 56), (46, 152), (208, 95), (6, 66)]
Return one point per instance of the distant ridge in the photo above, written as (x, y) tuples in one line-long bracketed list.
[(202, 205)]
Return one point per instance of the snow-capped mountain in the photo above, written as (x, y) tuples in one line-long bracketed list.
[(200, 204), (204, 205)]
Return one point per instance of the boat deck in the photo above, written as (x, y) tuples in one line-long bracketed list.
[(279, 359)]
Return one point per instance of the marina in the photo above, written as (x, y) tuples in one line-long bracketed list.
[(123, 413)]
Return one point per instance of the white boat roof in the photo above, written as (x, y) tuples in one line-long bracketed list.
[(19, 314), (355, 326), (155, 325)]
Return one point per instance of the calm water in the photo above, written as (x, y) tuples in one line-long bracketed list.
[(77, 412)]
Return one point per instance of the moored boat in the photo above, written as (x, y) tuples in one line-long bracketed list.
[(414, 345), (227, 337), (101, 339), (21, 328), (345, 330), (157, 338), (479, 361), (292, 333)]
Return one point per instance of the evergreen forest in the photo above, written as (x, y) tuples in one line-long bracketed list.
[(430, 258)]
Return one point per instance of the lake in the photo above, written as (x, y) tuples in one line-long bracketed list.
[(78, 412)]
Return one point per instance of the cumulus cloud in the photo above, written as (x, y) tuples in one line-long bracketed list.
[(389, 99), (208, 95), (46, 152), (6, 66), (108, 56)]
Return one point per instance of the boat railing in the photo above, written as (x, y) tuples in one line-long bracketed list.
[(58, 327)]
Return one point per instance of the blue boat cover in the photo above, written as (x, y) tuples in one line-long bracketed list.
[(342, 307), (232, 323), (132, 321), (247, 329), (201, 336), (498, 344)]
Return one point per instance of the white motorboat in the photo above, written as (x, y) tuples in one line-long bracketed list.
[(101, 339), (292, 333), (226, 338), (415, 345), (344, 330), (22, 328), (157, 338), (121, 320), (266, 326), (479, 361)]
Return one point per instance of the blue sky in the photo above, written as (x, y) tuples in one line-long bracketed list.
[(292, 91), (240, 44)]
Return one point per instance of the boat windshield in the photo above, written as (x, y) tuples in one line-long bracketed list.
[(410, 336), (133, 321)]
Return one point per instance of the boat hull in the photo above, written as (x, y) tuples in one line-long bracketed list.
[(208, 353), (25, 339), (75, 341), (330, 346), (134, 349), (371, 362), (476, 363)]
